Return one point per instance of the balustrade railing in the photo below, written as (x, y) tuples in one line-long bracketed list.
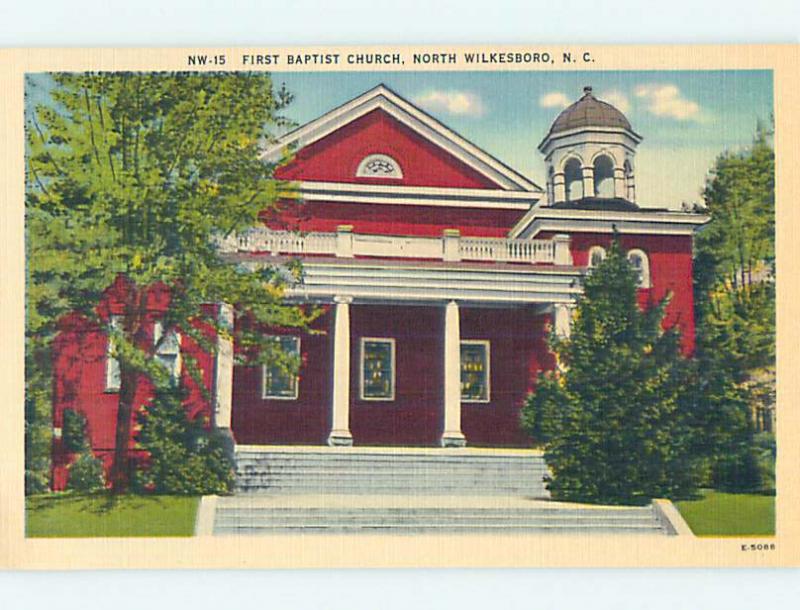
[(450, 247)]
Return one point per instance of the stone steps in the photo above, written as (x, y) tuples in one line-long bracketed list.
[(237, 520), (364, 471)]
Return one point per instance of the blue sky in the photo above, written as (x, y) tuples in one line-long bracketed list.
[(686, 118)]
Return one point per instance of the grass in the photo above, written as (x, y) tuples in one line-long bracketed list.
[(101, 515), (726, 514)]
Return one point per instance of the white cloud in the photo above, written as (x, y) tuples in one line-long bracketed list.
[(453, 102), (666, 100), (616, 98), (554, 99)]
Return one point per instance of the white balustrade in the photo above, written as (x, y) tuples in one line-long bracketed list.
[(451, 246)]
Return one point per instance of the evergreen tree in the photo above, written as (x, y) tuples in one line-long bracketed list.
[(614, 418), (135, 175), (182, 457)]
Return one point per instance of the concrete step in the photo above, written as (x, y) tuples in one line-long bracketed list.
[(406, 472), (236, 516)]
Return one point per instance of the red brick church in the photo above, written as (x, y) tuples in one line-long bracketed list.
[(440, 271)]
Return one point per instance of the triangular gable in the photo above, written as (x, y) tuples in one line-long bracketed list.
[(393, 110)]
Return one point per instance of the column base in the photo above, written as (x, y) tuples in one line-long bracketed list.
[(453, 439), (340, 438)]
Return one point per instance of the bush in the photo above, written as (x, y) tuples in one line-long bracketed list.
[(183, 457), (86, 474), (38, 439), (766, 453), (74, 436)]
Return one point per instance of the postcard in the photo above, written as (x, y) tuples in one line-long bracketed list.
[(440, 306)]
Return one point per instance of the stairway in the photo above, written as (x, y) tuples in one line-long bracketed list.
[(401, 472), (361, 490)]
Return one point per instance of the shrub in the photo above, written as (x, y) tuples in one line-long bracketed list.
[(86, 474), (74, 436), (183, 457)]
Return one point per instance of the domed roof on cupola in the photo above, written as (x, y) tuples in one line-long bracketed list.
[(589, 112)]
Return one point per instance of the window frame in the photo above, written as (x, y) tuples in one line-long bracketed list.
[(114, 321), (592, 250), (488, 369), (645, 281), (396, 174), (158, 331), (265, 369), (392, 363)]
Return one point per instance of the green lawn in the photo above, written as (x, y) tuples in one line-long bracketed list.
[(71, 515), (725, 514)]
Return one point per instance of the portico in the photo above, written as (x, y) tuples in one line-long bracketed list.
[(410, 352)]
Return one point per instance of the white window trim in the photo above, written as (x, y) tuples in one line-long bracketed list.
[(113, 322), (264, 368), (487, 344), (158, 329), (361, 172), (592, 251), (393, 361), (645, 281)]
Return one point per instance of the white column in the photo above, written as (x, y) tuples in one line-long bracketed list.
[(340, 406), (223, 374), (620, 190), (562, 320), (559, 188), (452, 435), (588, 181)]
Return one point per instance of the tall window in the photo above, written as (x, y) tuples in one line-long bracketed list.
[(475, 371), (277, 382), (168, 352), (377, 369), (112, 364), (638, 260), (597, 255)]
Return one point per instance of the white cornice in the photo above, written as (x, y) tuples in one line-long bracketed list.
[(411, 116), (415, 195), (598, 221)]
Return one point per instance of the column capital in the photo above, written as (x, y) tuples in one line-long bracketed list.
[(342, 299)]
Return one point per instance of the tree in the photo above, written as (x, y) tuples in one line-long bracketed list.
[(614, 418), (735, 312), (182, 458), (735, 259), (135, 175)]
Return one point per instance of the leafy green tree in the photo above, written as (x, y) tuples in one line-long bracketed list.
[(735, 260), (735, 312), (136, 175), (614, 418)]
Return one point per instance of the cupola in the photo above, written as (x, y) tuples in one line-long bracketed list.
[(589, 154)]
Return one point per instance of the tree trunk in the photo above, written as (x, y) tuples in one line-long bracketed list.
[(120, 474), (120, 469)]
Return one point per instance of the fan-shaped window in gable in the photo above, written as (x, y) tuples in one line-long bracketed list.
[(379, 166)]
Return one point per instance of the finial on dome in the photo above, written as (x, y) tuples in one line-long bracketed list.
[(587, 90)]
